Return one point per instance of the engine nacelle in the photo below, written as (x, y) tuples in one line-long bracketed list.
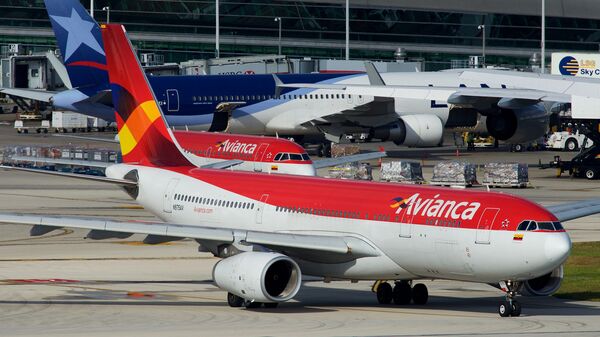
[(518, 125), (412, 130), (259, 276), (544, 285)]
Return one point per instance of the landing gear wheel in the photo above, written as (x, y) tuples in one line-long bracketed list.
[(516, 309), (402, 293), (590, 174), (253, 305), (234, 301), (505, 309), (384, 293), (518, 147), (271, 305), (420, 295)]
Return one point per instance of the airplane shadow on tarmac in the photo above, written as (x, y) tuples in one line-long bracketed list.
[(310, 299)]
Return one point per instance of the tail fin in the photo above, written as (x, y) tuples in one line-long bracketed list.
[(143, 133), (80, 42)]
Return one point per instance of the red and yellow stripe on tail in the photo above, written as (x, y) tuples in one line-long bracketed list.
[(143, 133)]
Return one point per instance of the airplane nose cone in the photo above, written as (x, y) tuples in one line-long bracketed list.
[(557, 247)]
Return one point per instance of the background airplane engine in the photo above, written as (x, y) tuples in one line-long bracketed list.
[(544, 285), (412, 130), (518, 125), (259, 276)]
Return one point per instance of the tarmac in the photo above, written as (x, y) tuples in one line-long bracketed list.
[(63, 285)]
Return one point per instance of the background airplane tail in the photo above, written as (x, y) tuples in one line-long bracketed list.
[(143, 133), (80, 42)]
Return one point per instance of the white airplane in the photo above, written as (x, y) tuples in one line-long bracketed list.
[(271, 229)]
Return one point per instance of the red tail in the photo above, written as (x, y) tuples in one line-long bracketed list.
[(143, 133)]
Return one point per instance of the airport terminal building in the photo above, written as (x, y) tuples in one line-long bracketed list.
[(437, 31)]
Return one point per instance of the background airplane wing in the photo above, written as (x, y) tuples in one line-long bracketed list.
[(88, 163), (38, 95), (574, 210), (318, 247), (348, 159), (121, 182)]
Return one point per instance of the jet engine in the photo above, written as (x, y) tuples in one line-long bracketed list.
[(544, 285), (259, 276), (518, 125), (412, 130)]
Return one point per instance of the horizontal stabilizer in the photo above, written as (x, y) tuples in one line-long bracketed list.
[(37, 95), (121, 182), (88, 163), (39, 230)]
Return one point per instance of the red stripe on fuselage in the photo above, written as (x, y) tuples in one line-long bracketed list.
[(370, 199), (88, 64)]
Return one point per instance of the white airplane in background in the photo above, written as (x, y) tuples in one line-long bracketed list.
[(269, 229)]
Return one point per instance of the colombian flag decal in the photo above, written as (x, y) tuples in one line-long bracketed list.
[(518, 237), (274, 167), (398, 202)]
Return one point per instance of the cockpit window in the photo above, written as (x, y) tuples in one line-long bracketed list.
[(305, 156), (278, 157), (532, 226), (523, 225), (546, 226), (558, 226), (291, 156), (295, 156)]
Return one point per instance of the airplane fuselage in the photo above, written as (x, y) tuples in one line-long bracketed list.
[(420, 232)]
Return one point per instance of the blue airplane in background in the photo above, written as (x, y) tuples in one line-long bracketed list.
[(79, 40)]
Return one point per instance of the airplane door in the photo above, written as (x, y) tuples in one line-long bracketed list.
[(484, 227), (260, 207), (172, 100), (406, 225), (258, 164), (168, 196)]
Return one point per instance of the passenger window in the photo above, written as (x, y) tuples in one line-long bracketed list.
[(532, 226), (523, 225)]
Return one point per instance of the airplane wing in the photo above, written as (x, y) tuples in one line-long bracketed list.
[(222, 164), (574, 210), (38, 95), (348, 159), (323, 248)]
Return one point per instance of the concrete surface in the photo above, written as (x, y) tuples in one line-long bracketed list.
[(63, 285)]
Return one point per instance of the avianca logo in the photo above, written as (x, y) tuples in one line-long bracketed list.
[(236, 146), (398, 203), (437, 208)]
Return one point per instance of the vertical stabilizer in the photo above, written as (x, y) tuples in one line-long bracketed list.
[(143, 133)]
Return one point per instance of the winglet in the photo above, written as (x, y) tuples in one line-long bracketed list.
[(374, 77), (143, 132)]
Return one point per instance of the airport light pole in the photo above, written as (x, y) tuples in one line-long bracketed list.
[(217, 53), (482, 29), (543, 42), (107, 10), (347, 30), (278, 19)]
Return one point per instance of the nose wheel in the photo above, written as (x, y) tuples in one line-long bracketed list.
[(510, 306), (401, 294)]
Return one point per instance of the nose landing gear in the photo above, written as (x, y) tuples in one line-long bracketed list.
[(402, 293), (510, 306)]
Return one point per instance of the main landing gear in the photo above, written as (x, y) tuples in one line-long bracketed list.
[(236, 301), (510, 306), (402, 293)]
